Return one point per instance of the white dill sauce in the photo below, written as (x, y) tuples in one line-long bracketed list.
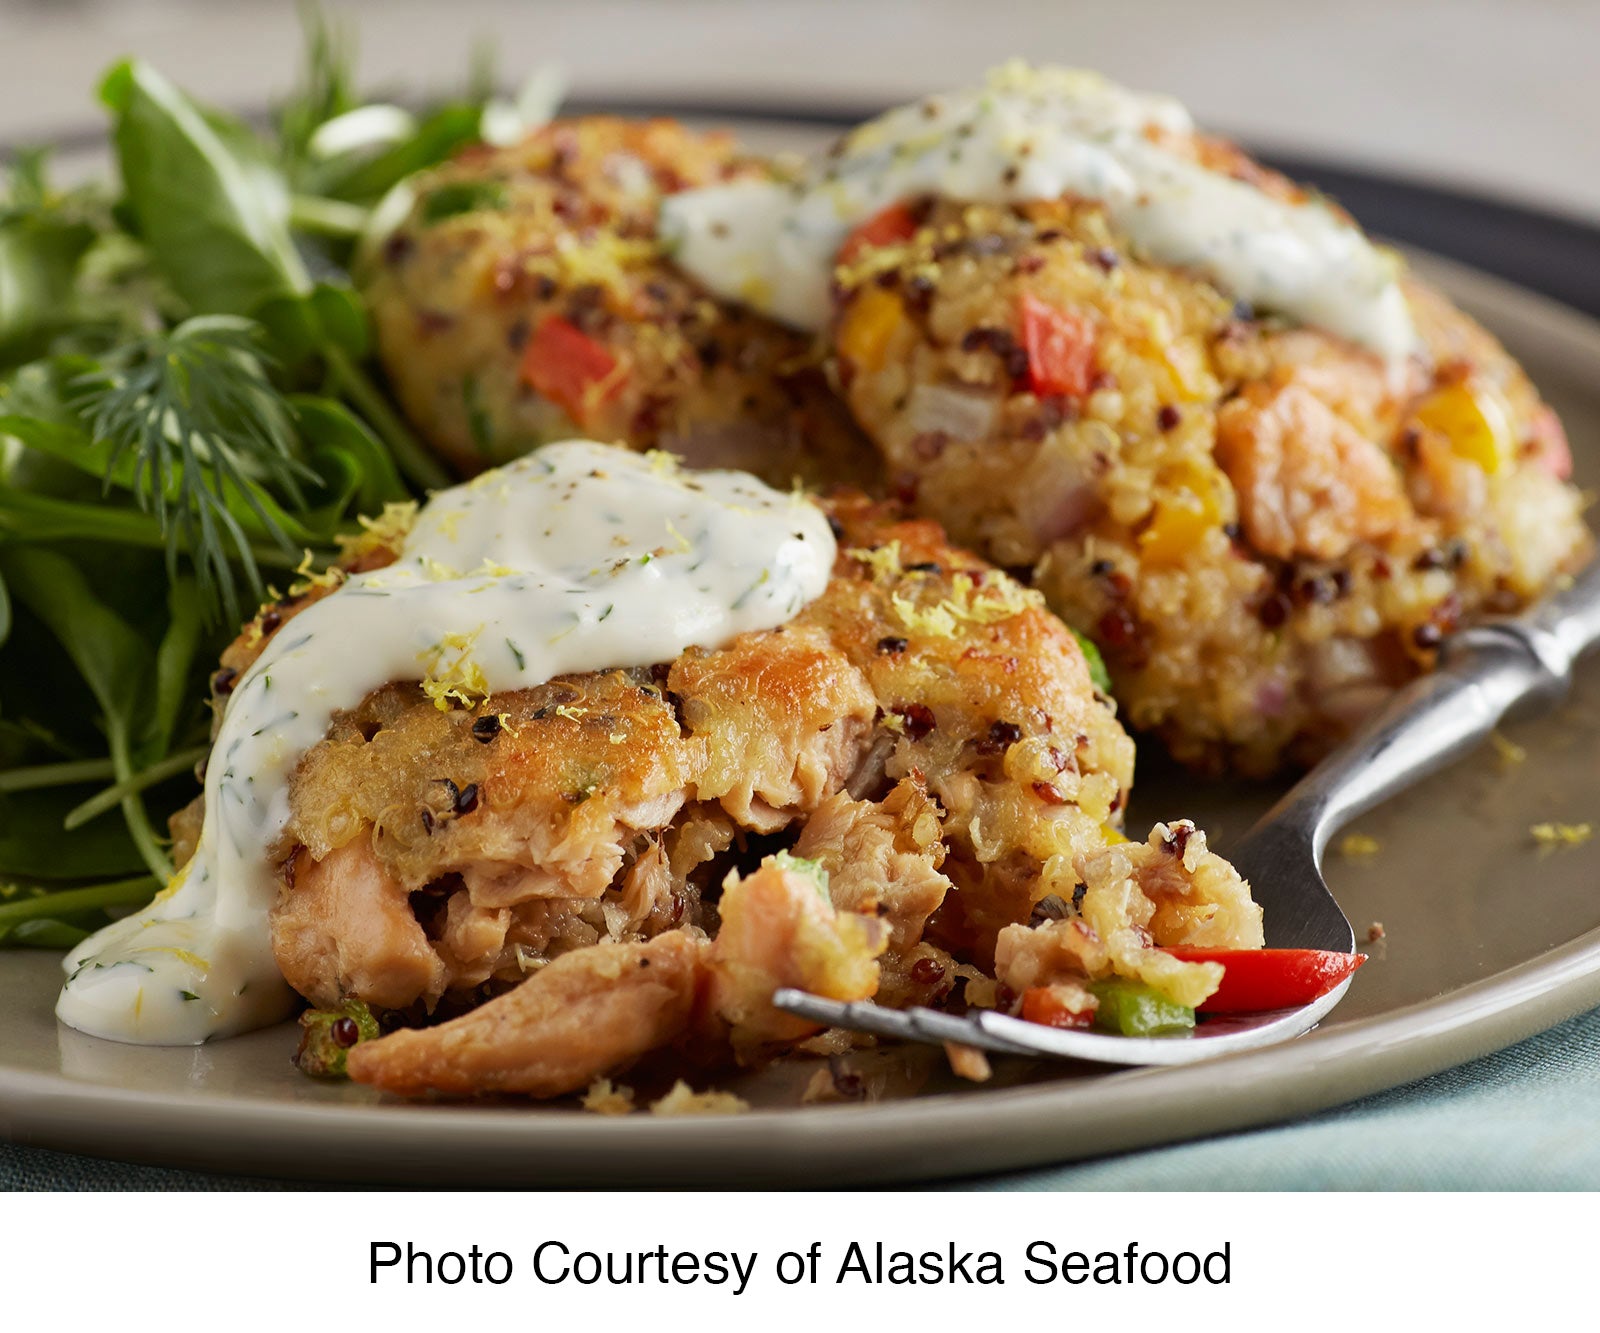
[(1041, 134), (580, 557)]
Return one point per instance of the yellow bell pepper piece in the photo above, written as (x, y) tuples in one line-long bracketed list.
[(868, 325), (1190, 508), (1475, 422), (1114, 836)]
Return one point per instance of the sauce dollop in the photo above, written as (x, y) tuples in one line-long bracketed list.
[(579, 557), (1041, 134)]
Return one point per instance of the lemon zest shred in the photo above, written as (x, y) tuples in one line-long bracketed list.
[(998, 598), (386, 531), (1358, 846), (884, 561), (1507, 751), (452, 674), (1551, 836)]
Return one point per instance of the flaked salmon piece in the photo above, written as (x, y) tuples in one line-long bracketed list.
[(345, 927), (1309, 483), (589, 1013), (883, 859), (779, 928)]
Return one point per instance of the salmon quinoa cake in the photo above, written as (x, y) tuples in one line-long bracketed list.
[(526, 297), (1231, 440), (897, 780)]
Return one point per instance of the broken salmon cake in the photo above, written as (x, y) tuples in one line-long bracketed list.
[(572, 864), (669, 741)]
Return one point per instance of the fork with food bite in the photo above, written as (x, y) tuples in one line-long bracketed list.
[(1485, 673)]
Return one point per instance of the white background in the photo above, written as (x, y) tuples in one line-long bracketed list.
[(1300, 1263)]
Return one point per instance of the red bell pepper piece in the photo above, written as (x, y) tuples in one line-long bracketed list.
[(1060, 348), (565, 364), (1255, 980), (1044, 1004), (895, 223)]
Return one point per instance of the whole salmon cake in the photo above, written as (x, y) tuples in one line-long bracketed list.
[(1265, 526), (527, 297)]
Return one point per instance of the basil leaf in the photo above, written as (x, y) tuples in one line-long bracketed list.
[(211, 211)]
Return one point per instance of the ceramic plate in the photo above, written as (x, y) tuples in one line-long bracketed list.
[(1485, 940)]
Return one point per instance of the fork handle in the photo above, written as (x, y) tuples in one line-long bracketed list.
[(1483, 673)]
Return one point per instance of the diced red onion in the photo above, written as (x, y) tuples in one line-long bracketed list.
[(960, 414)]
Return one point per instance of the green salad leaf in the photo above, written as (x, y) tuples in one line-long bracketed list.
[(215, 222), (189, 405)]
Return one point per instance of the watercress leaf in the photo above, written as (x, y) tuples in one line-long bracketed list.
[(328, 426), (44, 933), (438, 137), (32, 845), (342, 318), (210, 212), (38, 264), (108, 653)]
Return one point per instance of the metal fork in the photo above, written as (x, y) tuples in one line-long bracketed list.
[(1484, 673)]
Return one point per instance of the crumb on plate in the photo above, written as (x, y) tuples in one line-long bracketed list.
[(684, 1100), (607, 1098), (967, 1062)]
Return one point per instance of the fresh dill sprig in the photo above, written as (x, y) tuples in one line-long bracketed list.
[(202, 437)]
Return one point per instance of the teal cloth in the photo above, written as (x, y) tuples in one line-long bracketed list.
[(1524, 1118)]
